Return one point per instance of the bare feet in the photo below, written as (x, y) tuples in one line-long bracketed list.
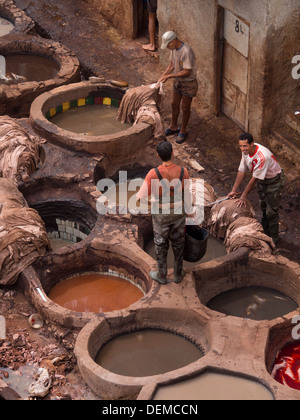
[(149, 47)]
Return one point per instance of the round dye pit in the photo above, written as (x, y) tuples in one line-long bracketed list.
[(18, 21), (119, 355), (91, 120), (248, 288), (215, 386), (29, 67), (61, 288), (94, 292), (147, 353), (286, 369), (34, 65), (257, 303), (67, 222), (90, 95)]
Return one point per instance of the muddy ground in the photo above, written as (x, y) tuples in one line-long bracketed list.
[(212, 142)]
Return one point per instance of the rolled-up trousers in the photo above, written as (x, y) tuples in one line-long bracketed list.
[(169, 228)]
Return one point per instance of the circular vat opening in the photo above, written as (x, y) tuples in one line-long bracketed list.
[(283, 354), (83, 116), (211, 385), (30, 67), (29, 58), (163, 350), (14, 19), (156, 342), (68, 216), (80, 277), (286, 369), (67, 221), (33, 65), (96, 292), (249, 288)]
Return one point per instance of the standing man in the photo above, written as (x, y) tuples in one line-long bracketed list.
[(182, 68), (152, 8), (169, 224), (267, 175)]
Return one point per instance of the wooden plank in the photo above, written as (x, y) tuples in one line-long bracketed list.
[(236, 33), (235, 68)]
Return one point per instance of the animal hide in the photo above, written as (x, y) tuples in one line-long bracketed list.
[(19, 152), (142, 104), (23, 236)]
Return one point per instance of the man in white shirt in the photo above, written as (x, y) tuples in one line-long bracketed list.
[(182, 68), (267, 175)]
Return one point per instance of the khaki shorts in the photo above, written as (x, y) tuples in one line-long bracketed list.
[(189, 89)]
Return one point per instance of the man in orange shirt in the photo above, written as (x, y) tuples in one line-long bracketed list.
[(169, 216)]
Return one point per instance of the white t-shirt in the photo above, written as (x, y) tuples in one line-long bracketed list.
[(262, 164)]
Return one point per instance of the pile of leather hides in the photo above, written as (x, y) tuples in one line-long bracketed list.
[(19, 152), (23, 236), (224, 213), (247, 232), (239, 228), (142, 104)]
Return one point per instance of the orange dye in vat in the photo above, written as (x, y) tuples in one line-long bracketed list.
[(95, 293)]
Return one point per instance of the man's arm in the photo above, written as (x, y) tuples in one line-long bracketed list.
[(182, 73), (239, 179), (168, 70)]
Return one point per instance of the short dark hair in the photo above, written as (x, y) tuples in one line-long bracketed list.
[(164, 150), (246, 136)]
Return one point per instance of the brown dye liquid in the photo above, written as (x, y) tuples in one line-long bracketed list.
[(32, 67), (257, 303), (215, 249), (215, 386), (95, 293), (147, 353), (91, 120)]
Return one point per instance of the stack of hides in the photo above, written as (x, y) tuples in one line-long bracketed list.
[(23, 236), (19, 153), (142, 104)]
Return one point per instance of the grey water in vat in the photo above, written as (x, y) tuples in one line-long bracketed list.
[(257, 303), (215, 249), (146, 353)]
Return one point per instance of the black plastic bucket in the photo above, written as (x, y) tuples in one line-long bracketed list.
[(195, 243)]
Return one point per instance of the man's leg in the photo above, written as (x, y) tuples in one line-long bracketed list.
[(177, 238), (270, 195), (161, 233), (176, 100), (152, 33), (186, 112)]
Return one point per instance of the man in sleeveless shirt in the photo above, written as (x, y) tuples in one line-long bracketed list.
[(268, 177), (182, 68), (167, 184)]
